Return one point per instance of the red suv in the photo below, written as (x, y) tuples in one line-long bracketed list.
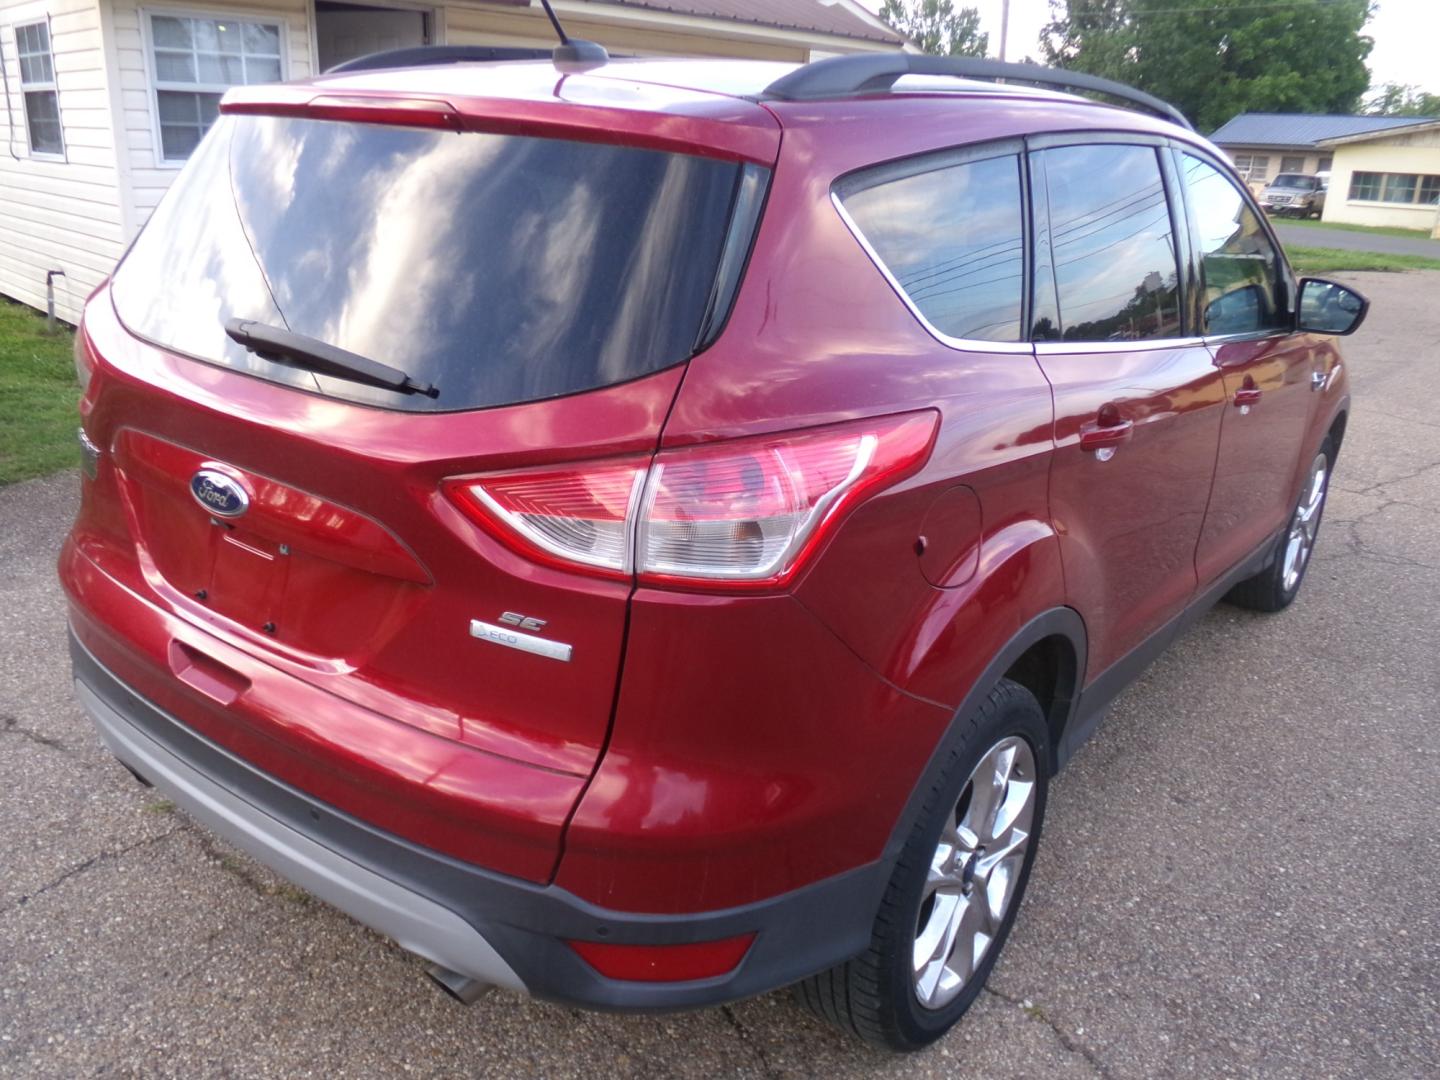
[(647, 534)]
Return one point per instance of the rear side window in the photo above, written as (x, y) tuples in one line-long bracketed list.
[(1239, 266), (499, 268), (1111, 243), (952, 239)]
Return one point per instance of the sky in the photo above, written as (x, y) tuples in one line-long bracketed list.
[(1406, 33)]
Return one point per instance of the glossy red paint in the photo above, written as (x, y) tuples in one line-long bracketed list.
[(735, 779), (1265, 433), (426, 785), (701, 751), (1128, 524), (380, 632)]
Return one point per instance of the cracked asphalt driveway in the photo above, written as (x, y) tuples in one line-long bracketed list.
[(1240, 873)]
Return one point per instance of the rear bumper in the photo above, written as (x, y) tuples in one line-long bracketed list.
[(488, 926)]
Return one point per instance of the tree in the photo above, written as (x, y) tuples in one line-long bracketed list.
[(936, 27), (1216, 58), (1395, 99)]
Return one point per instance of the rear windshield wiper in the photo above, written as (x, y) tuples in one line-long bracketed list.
[(287, 347)]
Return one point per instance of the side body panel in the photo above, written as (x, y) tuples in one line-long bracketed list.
[(1271, 396), (1129, 525), (803, 722)]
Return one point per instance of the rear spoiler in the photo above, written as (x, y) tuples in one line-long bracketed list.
[(726, 128)]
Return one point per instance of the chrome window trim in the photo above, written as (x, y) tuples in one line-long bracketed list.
[(1019, 348), (1061, 348), (1275, 333)]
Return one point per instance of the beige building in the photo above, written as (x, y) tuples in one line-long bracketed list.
[(1389, 177), (1264, 145), (105, 99)]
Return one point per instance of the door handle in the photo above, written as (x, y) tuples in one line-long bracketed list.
[(1106, 436), (1318, 379), (1247, 395)]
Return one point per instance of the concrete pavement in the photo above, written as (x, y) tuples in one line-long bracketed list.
[(1240, 873)]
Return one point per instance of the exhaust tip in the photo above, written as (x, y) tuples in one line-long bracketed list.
[(462, 988)]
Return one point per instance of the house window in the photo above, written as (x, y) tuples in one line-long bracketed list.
[(1324, 164), (197, 60), (1252, 166), (1406, 188), (1292, 164), (1365, 185), (37, 83), (1400, 187)]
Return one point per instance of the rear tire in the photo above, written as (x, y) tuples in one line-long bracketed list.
[(949, 897), (1276, 587)]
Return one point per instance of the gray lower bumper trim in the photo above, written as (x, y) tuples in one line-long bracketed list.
[(416, 922)]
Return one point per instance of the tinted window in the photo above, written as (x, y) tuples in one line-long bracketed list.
[(1114, 253), (499, 268), (1239, 266), (953, 238)]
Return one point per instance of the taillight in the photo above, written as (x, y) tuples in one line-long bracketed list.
[(577, 514), (84, 362), (750, 510), (742, 513)]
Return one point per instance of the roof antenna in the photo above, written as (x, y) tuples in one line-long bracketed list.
[(574, 53)]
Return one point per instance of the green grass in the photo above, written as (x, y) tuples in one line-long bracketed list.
[(37, 396), (1314, 260), (1378, 230)]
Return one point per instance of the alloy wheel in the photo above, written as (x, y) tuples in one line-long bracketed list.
[(1305, 525), (974, 871)]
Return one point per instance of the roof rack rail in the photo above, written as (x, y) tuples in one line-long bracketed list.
[(863, 73), (419, 55)]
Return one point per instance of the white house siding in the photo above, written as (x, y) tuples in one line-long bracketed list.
[(146, 176), (621, 30), (59, 215)]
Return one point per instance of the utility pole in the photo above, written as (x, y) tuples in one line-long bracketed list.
[(1004, 27)]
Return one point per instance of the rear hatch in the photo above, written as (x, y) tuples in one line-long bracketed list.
[(548, 289)]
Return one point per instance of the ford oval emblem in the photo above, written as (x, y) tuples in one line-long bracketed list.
[(219, 494)]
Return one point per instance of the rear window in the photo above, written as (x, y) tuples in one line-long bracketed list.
[(499, 268)]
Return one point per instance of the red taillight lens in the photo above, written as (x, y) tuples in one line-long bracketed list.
[(748, 511), (665, 963), (84, 362), (743, 513), (579, 514)]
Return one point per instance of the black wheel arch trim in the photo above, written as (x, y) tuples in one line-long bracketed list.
[(1061, 622)]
